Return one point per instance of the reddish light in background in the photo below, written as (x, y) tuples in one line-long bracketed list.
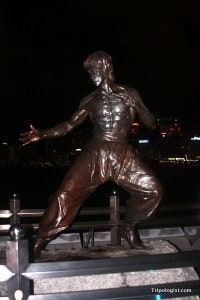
[(135, 124)]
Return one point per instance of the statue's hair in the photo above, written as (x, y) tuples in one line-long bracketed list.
[(101, 57)]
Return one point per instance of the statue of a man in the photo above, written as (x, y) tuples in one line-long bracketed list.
[(108, 156)]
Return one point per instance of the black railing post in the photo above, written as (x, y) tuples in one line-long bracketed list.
[(14, 203), (17, 260), (115, 217)]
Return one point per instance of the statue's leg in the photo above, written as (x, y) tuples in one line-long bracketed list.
[(145, 194), (79, 182)]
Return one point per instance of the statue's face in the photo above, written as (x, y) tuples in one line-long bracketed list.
[(96, 73), (99, 66)]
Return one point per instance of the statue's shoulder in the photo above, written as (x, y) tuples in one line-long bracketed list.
[(130, 94), (132, 91), (126, 89)]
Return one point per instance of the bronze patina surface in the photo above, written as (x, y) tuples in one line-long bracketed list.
[(108, 156)]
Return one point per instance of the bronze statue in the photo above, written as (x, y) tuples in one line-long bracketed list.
[(108, 156)]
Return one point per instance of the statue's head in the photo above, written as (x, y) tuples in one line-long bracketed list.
[(99, 66)]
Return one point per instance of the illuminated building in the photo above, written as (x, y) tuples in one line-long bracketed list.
[(169, 127)]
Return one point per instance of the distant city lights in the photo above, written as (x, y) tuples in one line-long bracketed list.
[(163, 133), (176, 159), (135, 124), (143, 141), (195, 138)]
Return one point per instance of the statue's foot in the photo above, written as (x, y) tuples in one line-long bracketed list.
[(133, 239), (137, 245), (39, 245)]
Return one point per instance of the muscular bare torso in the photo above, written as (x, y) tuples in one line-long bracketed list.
[(111, 115)]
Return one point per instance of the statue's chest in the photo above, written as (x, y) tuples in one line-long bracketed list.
[(110, 106)]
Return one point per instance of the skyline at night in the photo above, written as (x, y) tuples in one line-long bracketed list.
[(154, 46)]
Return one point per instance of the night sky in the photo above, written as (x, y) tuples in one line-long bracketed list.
[(155, 46)]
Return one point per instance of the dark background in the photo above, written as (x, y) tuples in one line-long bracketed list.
[(154, 45), (155, 48)]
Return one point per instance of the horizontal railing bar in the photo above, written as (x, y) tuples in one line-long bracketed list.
[(31, 212), (97, 210), (4, 227), (172, 222), (39, 212), (110, 265), (84, 211), (88, 211), (5, 273), (5, 213), (81, 225), (126, 293), (76, 225)]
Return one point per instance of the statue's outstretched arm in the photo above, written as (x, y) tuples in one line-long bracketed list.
[(34, 134)]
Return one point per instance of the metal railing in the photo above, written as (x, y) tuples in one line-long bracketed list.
[(113, 222), (186, 214), (20, 274)]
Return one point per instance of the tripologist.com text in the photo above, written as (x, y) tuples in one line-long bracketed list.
[(170, 290)]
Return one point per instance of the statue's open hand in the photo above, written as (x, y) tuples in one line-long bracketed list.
[(32, 135)]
